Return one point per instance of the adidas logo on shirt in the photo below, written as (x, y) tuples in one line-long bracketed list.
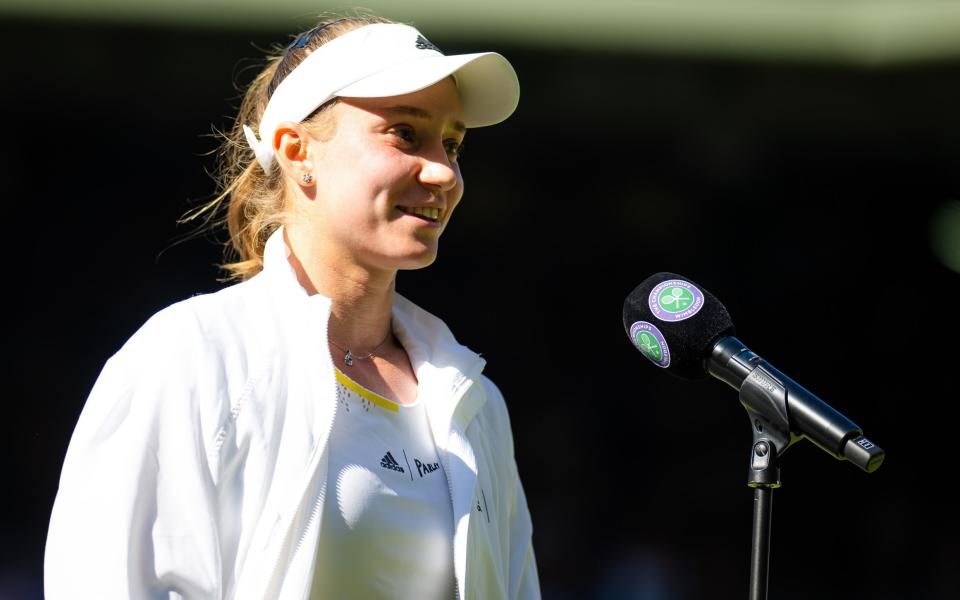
[(388, 462)]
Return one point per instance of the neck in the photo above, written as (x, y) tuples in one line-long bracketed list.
[(360, 322), (361, 299)]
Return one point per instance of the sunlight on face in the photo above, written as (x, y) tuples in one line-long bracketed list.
[(388, 179)]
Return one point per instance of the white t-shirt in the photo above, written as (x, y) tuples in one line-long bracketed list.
[(387, 524)]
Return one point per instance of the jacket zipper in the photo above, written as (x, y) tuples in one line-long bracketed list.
[(446, 458), (289, 524), (323, 485), (313, 512), (446, 466)]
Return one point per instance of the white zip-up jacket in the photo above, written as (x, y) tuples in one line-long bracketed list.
[(198, 466)]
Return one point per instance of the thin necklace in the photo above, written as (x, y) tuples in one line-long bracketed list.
[(349, 357)]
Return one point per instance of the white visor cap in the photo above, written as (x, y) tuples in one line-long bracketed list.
[(381, 60)]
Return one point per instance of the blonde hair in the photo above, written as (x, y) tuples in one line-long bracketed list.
[(254, 198)]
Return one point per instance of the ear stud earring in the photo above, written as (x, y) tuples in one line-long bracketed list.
[(307, 178)]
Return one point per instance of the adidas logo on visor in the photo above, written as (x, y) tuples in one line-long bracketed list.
[(425, 44)]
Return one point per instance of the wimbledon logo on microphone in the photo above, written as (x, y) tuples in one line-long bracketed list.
[(675, 300), (648, 339)]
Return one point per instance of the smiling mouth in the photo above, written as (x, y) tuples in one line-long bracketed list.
[(427, 213)]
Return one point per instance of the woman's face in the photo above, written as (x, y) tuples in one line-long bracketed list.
[(387, 178)]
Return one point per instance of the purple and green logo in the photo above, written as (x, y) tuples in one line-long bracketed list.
[(650, 342), (675, 300)]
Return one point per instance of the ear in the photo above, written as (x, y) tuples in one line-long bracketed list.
[(291, 144)]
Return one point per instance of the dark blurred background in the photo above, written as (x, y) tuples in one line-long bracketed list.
[(803, 166)]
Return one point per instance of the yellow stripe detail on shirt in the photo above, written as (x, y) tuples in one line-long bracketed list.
[(371, 396)]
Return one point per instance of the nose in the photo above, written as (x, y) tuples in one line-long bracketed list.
[(437, 171)]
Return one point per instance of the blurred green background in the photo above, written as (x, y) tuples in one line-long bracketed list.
[(801, 160)]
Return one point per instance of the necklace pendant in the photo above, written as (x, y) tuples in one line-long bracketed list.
[(348, 359)]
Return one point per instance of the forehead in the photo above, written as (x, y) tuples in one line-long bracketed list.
[(439, 103)]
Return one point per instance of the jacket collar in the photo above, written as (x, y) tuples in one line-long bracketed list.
[(445, 369)]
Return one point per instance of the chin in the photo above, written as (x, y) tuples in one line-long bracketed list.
[(418, 258), (419, 262)]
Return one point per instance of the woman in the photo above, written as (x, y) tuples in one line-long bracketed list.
[(307, 432)]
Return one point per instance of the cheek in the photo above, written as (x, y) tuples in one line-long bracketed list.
[(457, 191), (453, 198), (355, 171), (378, 165)]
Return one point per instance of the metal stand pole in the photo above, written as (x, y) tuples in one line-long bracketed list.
[(764, 478), (760, 552)]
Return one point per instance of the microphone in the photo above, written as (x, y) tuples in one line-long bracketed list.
[(682, 328)]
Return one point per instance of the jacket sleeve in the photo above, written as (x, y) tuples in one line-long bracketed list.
[(524, 581), (135, 512)]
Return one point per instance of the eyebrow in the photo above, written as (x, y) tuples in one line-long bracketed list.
[(415, 111)]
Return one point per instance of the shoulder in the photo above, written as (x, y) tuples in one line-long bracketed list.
[(494, 395), (205, 345), (495, 413), (205, 322), (182, 371)]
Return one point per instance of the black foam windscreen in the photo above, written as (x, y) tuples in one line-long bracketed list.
[(674, 323)]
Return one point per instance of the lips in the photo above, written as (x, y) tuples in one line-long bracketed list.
[(427, 213)]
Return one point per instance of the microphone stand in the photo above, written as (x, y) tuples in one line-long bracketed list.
[(765, 399), (771, 437), (764, 478), (766, 393)]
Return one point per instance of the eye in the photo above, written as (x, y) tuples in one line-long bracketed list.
[(405, 133), (454, 149)]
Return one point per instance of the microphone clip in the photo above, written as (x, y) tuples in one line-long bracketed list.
[(765, 400)]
